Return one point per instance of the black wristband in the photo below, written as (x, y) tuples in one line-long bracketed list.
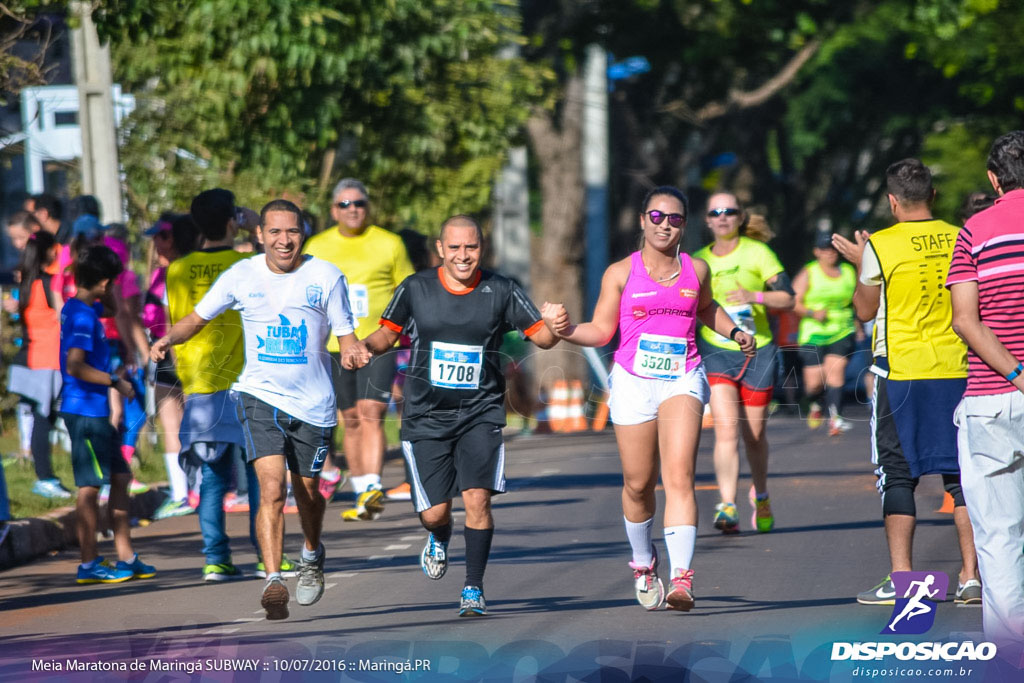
[(732, 335)]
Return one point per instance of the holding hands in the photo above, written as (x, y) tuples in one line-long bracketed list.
[(356, 356), (556, 317)]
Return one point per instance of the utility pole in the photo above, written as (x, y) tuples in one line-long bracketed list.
[(595, 173), (101, 173)]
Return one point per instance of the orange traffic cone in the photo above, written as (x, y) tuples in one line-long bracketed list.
[(600, 420), (558, 408), (577, 421)]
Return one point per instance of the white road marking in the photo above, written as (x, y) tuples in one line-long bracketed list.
[(398, 546), (343, 575), (330, 585), (224, 631), (249, 618), (381, 557)]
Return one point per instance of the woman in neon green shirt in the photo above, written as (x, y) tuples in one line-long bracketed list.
[(824, 302), (746, 276)]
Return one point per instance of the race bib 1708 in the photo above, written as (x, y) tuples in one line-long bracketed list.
[(455, 366), (660, 357)]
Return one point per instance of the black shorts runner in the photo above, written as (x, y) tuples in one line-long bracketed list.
[(95, 450), (440, 469), (372, 382), (271, 431), (812, 355)]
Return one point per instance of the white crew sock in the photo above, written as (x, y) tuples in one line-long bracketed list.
[(680, 541), (639, 535), (371, 481), (358, 482), (176, 476)]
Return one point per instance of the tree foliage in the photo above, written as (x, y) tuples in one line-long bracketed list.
[(419, 98)]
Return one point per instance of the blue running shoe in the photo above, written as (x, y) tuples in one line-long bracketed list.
[(50, 488), (434, 558), (138, 568), (101, 572), (472, 603)]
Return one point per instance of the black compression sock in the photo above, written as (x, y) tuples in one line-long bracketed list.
[(478, 548)]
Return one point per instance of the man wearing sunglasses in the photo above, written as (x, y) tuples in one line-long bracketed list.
[(375, 262)]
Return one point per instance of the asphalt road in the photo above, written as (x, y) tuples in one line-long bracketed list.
[(769, 606)]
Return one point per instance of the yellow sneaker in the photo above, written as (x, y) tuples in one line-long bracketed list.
[(369, 505)]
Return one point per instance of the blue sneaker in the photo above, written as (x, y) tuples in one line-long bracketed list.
[(472, 603), (101, 572), (138, 568), (434, 558), (50, 488)]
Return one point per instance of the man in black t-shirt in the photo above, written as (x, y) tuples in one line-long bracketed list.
[(454, 393)]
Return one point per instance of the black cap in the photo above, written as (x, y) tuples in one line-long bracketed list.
[(823, 240)]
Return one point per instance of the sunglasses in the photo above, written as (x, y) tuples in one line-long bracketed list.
[(358, 203), (674, 219), (715, 213)]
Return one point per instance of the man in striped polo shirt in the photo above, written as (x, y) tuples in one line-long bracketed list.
[(986, 282)]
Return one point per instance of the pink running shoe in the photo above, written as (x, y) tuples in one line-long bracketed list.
[(649, 590), (681, 596)]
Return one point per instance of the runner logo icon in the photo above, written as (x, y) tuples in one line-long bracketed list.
[(914, 612)]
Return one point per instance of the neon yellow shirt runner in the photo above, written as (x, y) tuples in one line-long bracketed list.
[(749, 266), (374, 263), (212, 360), (831, 294)]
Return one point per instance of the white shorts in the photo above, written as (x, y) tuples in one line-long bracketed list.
[(634, 400)]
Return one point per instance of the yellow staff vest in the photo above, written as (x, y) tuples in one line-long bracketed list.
[(920, 341)]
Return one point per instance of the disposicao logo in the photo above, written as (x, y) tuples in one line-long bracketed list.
[(914, 613)]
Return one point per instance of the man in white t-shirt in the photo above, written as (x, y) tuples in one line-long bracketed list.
[(289, 304)]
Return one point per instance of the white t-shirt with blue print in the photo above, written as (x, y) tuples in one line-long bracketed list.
[(286, 318)]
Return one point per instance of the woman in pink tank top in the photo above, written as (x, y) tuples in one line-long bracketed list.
[(653, 299)]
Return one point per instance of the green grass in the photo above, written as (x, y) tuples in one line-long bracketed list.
[(21, 476)]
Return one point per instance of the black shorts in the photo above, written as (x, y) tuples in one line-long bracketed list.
[(165, 374), (372, 382), (270, 431), (440, 469), (812, 355), (95, 450)]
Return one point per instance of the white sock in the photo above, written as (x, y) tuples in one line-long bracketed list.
[(357, 482), (639, 535), (371, 481), (680, 541), (311, 555), (177, 477)]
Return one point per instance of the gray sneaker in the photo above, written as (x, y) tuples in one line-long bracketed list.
[(882, 594), (434, 558), (968, 593), (311, 580), (275, 599)]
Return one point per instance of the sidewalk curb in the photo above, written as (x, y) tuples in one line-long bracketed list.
[(33, 537)]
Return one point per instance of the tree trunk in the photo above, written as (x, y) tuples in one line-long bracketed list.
[(556, 252)]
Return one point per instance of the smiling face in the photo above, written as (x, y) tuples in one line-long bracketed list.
[(662, 235), (350, 209), (459, 248), (281, 236), (724, 215)]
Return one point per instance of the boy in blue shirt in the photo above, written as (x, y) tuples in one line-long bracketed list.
[(95, 444)]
